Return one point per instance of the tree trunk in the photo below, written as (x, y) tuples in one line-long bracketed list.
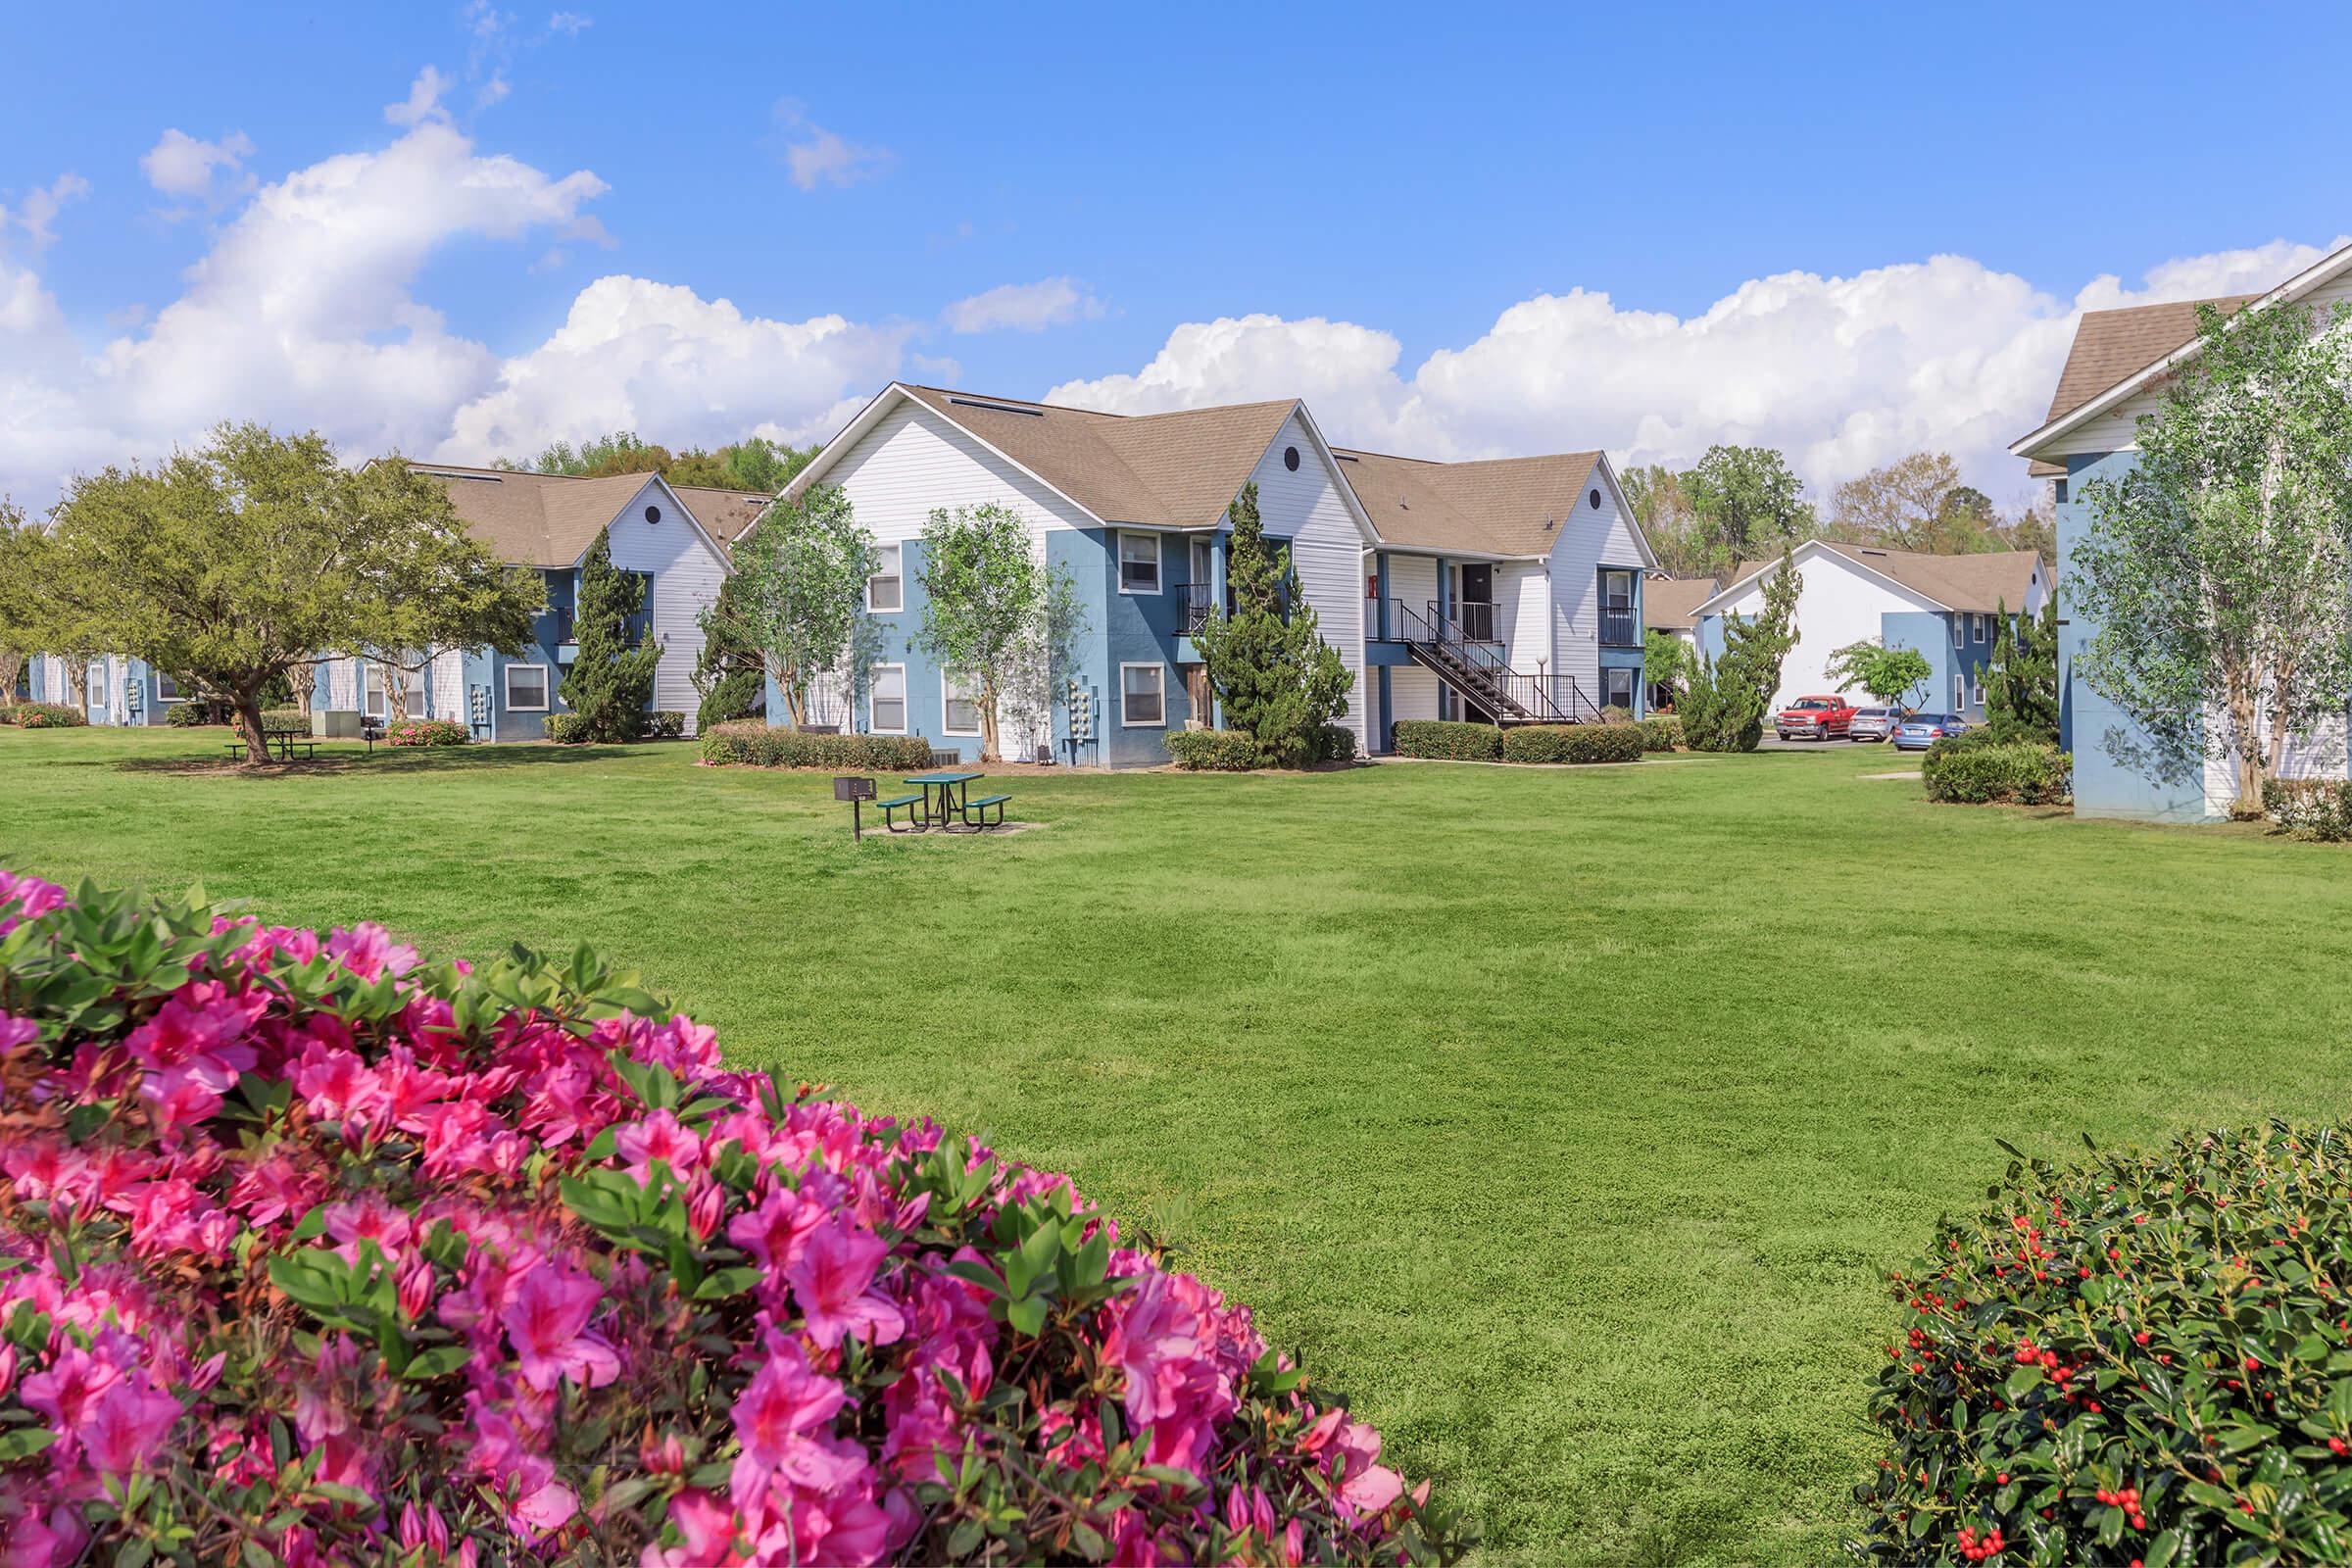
[(77, 680), (795, 698), (249, 726), (989, 751), (2245, 719)]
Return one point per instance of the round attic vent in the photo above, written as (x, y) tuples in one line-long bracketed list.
[(1289, 458), (653, 513), (1593, 500)]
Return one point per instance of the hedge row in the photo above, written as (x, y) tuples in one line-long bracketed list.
[(1573, 743), (1448, 740), (42, 715), (1661, 733), (2015, 773), (1213, 751), (426, 732), (752, 744), (2310, 808)]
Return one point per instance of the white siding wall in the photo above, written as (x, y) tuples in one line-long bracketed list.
[(343, 685), (1523, 614), (914, 459), (1308, 510), (446, 677), (2318, 755), (1837, 605), (1413, 689), (687, 570), (1413, 582), (1588, 537)]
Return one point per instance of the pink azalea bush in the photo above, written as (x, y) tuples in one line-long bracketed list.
[(312, 1253)]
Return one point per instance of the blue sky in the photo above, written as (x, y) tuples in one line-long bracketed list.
[(1389, 220)]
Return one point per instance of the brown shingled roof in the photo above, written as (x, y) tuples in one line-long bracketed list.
[(1669, 603), (1987, 582), (550, 520), (1498, 506), (2113, 346)]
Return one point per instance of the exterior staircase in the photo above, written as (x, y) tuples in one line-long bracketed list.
[(1474, 667)]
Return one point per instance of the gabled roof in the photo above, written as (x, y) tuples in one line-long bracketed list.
[(1671, 604), (2118, 353), (723, 513), (1498, 506), (550, 520), (1993, 580)]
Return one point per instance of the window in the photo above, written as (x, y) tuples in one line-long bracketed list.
[(1619, 588), (1142, 695), (2060, 488), (527, 688), (887, 705), (1976, 627), (1976, 691), (1204, 562), (640, 626), (883, 590), (959, 703), (166, 690), (373, 702), (1959, 632), (1617, 688), (1139, 562), (1959, 694), (1289, 458)]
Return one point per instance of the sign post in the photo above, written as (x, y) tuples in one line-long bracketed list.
[(855, 789)]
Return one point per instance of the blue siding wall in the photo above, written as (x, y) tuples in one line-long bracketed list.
[(1929, 633)]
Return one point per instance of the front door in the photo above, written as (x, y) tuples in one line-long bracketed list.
[(1476, 611)]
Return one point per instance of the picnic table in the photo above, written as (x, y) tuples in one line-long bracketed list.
[(281, 743), (951, 805)]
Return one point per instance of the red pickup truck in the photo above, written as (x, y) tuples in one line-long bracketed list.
[(1814, 718)]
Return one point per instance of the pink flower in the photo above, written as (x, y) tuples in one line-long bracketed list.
[(773, 1232), (547, 1322), (783, 1402), (368, 950), (338, 1086), (659, 1137), (71, 1384), (25, 898), (833, 1281), (707, 1530), (127, 1425), (370, 1219)]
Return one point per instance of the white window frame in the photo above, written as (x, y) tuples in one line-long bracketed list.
[(1631, 679), (1976, 688), (167, 698), (1160, 563), (507, 690), (1975, 628), (944, 727), (1959, 632), (1162, 722), (895, 558), (383, 691), (874, 700), (1959, 696)]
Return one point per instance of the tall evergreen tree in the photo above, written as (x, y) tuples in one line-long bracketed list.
[(610, 683), (1274, 674), (1727, 700), (729, 674), (2021, 684)]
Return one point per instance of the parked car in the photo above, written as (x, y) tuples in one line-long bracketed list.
[(1873, 724), (1922, 730), (1813, 718)]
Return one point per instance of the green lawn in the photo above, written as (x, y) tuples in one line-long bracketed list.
[(1566, 1119)]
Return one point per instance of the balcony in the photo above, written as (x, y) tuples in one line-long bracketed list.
[(1620, 628), (1197, 598), (1476, 619)]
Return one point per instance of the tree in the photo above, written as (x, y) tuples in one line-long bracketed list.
[(990, 606), (1274, 676), (1887, 673), (1665, 664), (610, 682), (2021, 681), (247, 562), (1724, 706), (1662, 508), (753, 463), (1748, 503), (730, 674), (2219, 569), (798, 592), (20, 596)]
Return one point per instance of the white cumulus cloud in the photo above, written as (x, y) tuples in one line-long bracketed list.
[(36, 213), (1023, 307), (424, 102), (186, 167), (1843, 374), (659, 359), (815, 156)]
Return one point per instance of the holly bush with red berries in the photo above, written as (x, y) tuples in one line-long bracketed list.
[(313, 1254), (2136, 1358)]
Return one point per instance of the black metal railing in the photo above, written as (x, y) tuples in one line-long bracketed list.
[(1476, 617), (1620, 628), (1199, 599)]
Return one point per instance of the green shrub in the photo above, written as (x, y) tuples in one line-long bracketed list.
[(426, 732), (1572, 743), (1334, 743), (1213, 751), (285, 721), (1614, 715), (747, 744), (44, 715), (664, 725), (2139, 1358), (191, 713), (2310, 808), (1450, 740), (1661, 732), (566, 729), (1963, 771)]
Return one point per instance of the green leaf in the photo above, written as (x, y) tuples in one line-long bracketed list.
[(438, 1361), (24, 1442)]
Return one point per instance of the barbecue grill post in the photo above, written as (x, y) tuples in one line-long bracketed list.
[(855, 789)]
